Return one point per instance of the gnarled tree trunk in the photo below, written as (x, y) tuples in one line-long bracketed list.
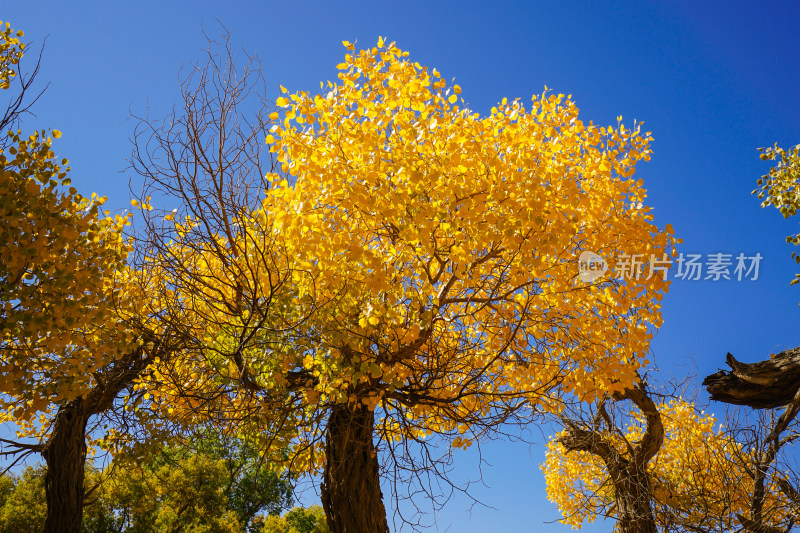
[(65, 449), (351, 491), (65, 455), (633, 495), (763, 385), (767, 384)]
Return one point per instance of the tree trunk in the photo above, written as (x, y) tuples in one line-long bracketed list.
[(351, 492), (633, 499), (65, 449), (65, 455), (633, 494), (763, 385)]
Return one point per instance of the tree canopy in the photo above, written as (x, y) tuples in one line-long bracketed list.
[(213, 485), (72, 334), (700, 479), (409, 271)]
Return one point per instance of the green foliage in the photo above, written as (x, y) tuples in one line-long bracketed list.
[(22, 502), (254, 486), (214, 485), (298, 520), (779, 187), (185, 496)]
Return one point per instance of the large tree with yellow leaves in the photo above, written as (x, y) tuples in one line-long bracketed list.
[(444, 243), (668, 466), (411, 271), (70, 336)]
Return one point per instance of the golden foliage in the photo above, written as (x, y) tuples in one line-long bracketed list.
[(419, 258), (428, 224), (699, 477), (11, 51), (62, 274)]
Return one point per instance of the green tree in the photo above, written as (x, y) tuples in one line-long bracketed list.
[(298, 520), (209, 483), (212, 485), (22, 501)]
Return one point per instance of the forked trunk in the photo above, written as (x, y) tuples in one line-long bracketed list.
[(633, 494), (351, 491), (65, 455)]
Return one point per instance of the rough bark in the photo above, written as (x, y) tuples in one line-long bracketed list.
[(763, 385), (351, 492), (65, 455), (65, 449), (633, 497), (633, 493)]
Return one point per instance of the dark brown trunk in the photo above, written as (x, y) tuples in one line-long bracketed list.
[(351, 491), (65, 449), (633, 494), (763, 385), (65, 455), (633, 499)]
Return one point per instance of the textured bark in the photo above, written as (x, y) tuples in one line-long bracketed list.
[(351, 492), (65, 455), (633, 496), (763, 385), (65, 449), (633, 493)]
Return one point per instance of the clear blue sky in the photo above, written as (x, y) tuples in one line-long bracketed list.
[(712, 80)]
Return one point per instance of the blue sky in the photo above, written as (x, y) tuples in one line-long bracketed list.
[(712, 80)]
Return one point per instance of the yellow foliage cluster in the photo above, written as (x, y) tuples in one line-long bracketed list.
[(424, 219), (779, 187), (311, 520), (11, 51), (63, 273), (419, 258), (699, 476)]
